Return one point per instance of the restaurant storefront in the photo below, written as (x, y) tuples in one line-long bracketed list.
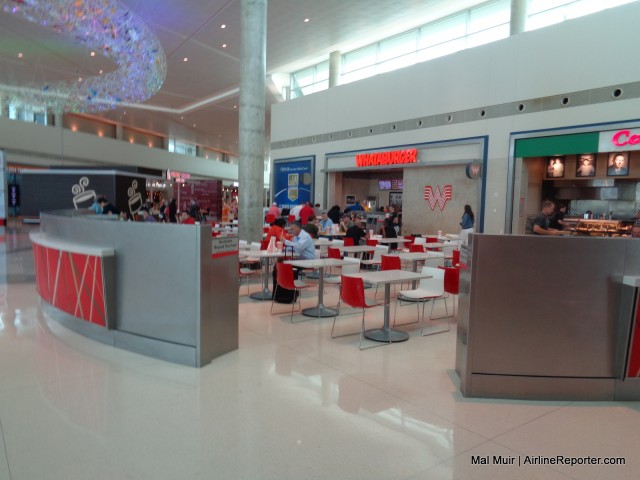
[(593, 170)]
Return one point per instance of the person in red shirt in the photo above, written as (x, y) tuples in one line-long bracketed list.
[(186, 219), (277, 230), (305, 213)]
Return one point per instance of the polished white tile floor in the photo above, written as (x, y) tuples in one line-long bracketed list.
[(290, 403)]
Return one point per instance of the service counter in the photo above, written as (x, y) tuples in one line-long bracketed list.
[(550, 318), (164, 290)]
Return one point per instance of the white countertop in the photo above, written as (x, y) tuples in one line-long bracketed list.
[(40, 238)]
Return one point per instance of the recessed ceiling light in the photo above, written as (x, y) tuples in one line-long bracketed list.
[(306, 20), (185, 59), (182, 118), (79, 79), (223, 26), (194, 125), (224, 45), (20, 55), (93, 54), (235, 106), (101, 72)]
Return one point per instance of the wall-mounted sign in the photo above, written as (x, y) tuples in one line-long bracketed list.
[(177, 176), (619, 140), (393, 157), (293, 181), (435, 196), (474, 170)]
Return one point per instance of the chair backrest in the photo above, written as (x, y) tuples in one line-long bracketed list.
[(242, 244), (254, 246), (372, 243), (269, 218), (390, 262), (352, 291), (284, 275), (265, 229), (351, 265), (455, 260), (337, 243), (436, 282), (348, 242), (264, 244), (451, 280), (334, 253), (431, 240), (410, 239), (416, 248), (420, 241), (291, 218)]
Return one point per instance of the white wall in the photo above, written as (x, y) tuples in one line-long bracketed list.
[(590, 52)]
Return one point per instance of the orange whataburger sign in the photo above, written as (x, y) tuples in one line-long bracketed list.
[(393, 157)]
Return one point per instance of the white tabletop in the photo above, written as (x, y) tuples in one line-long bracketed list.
[(322, 242), (357, 249), (381, 277), (393, 240), (339, 234), (413, 256), (259, 254), (317, 263)]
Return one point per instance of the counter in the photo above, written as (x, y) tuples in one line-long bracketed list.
[(550, 318), (157, 289)]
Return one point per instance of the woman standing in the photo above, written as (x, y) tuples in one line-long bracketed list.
[(466, 224)]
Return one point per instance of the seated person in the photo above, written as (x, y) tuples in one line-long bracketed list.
[(346, 222), (302, 242), (387, 231), (108, 208), (325, 224), (187, 219), (312, 227), (146, 216), (356, 231), (277, 230)]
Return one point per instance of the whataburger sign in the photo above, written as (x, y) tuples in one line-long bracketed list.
[(393, 157)]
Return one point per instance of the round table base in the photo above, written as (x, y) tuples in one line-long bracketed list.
[(319, 311), (262, 295), (382, 335)]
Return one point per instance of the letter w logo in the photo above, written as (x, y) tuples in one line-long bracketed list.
[(437, 196)]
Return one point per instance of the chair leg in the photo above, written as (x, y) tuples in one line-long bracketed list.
[(377, 344), (431, 318), (398, 300)]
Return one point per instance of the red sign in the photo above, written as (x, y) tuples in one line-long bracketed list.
[(437, 196), (624, 137), (393, 157)]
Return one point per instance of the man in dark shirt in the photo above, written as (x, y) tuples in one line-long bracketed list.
[(356, 232), (542, 220), (311, 228)]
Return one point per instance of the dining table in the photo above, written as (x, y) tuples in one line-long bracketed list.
[(320, 264), (265, 260), (387, 278)]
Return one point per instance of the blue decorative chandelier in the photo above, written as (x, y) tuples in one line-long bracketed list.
[(102, 26)]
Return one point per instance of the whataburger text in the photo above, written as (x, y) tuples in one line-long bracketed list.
[(393, 157)]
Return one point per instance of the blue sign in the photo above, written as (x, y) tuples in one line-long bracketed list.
[(293, 181)]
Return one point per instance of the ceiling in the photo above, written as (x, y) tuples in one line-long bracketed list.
[(210, 78)]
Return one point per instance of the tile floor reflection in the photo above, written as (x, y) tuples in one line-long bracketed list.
[(290, 403)]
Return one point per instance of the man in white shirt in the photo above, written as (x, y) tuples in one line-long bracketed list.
[(295, 211), (302, 242)]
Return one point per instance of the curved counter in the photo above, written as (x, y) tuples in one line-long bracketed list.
[(162, 290)]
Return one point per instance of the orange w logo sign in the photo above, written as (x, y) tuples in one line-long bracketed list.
[(437, 196)]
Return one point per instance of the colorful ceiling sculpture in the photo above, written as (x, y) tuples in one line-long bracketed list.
[(102, 26)]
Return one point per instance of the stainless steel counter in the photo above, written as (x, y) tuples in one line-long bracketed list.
[(547, 317)]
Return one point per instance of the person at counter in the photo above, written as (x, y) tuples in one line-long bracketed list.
[(543, 219), (302, 242), (557, 219)]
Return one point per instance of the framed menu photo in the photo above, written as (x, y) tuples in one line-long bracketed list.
[(618, 164), (586, 165), (555, 167)]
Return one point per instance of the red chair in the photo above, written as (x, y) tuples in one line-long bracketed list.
[(416, 248), (286, 279), (410, 239), (265, 229), (352, 294), (372, 243), (348, 242), (334, 253), (291, 219), (269, 218), (264, 244), (389, 262), (432, 240), (455, 258), (451, 284)]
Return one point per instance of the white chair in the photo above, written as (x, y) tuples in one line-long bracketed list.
[(448, 249), (254, 246), (244, 272), (243, 244), (337, 243), (429, 289), (377, 256)]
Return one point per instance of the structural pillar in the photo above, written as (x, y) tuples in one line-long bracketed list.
[(252, 119), (518, 16), (335, 68)]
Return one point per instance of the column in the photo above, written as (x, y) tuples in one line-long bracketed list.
[(252, 119), (335, 68), (518, 16)]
